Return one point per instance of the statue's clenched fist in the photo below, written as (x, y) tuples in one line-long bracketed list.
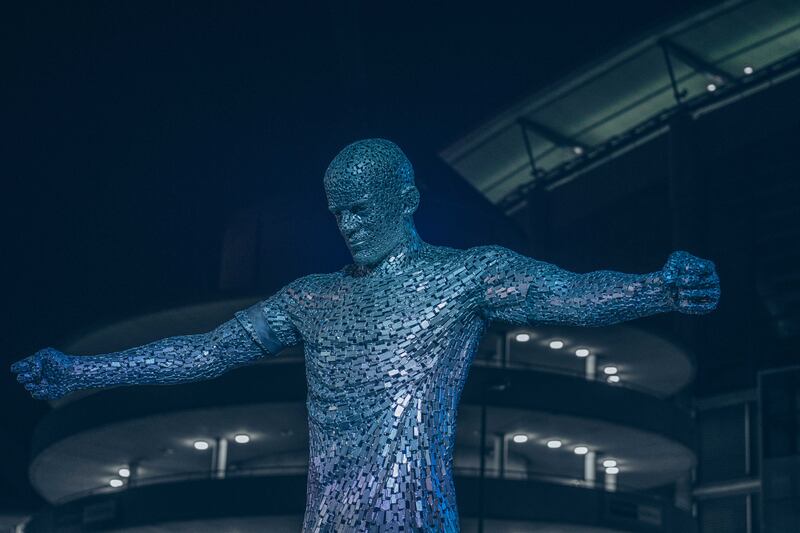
[(45, 374), (693, 283)]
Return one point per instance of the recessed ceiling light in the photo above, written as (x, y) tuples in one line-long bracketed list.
[(613, 379), (555, 443), (200, 445), (612, 470), (609, 463), (522, 337), (242, 438), (520, 438), (581, 450), (610, 370), (116, 483), (582, 352), (556, 345), (577, 150), (711, 87), (748, 70), (124, 472)]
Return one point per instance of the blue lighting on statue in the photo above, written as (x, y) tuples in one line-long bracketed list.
[(388, 343)]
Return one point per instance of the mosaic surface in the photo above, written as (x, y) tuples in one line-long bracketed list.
[(388, 343)]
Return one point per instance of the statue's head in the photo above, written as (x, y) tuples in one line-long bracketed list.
[(371, 192)]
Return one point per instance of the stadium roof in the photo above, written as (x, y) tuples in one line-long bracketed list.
[(700, 63)]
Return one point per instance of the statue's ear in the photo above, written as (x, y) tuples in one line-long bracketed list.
[(409, 196)]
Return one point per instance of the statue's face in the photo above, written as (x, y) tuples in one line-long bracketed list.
[(370, 189), (370, 218)]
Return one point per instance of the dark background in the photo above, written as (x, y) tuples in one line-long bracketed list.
[(133, 131)]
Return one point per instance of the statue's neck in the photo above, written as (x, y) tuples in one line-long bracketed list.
[(406, 251)]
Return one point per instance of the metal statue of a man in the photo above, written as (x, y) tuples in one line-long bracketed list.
[(388, 343)]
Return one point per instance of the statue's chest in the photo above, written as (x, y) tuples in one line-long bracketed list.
[(366, 323)]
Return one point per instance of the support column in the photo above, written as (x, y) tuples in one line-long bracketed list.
[(591, 367), (610, 482), (219, 458), (590, 468)]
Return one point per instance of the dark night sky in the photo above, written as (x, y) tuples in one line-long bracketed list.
[(134, 129)]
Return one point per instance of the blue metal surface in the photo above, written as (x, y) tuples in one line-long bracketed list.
[(388, 343)]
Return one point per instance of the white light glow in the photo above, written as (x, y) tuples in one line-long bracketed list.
[(555, 443), (610, 370), (582, 352), (124, 472), (613, 379), (613, 470), (577, 150), (520, 438), (242, 438), (116, 483), (522, 337), (748, 70), (609, 463), (200, 445), (581, 450), (556, 345), (711, 87)]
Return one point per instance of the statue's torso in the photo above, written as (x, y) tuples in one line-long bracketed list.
[(386, 358)]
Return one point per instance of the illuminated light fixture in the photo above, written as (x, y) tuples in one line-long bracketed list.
[(116, 483), (522, 337), (612, 470), (711, 87), (520, 438), (556, 345), (609, 463), (582, 352), (581, 450), (577, 150), (200, 445), (242, 438), (610, 370), (613, 379), (747, 70), (555, 443), (124, 472)]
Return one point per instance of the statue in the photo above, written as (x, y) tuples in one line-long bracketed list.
[(388, 343)]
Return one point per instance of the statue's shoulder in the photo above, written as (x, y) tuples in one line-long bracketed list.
[(312, 285), (472, 259)]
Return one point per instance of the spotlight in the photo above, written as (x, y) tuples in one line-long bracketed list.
[(610, 370), (581, 450), (612, 470), (116, 483), (522, 337), (613, 379), (520, 438), (556, 345), (555, 443), (582, 352), (748, 70), (609, 463), (711, 87), (577, 150), (242, 438), (200, 445), (124, 472)]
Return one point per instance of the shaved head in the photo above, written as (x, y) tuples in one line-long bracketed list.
[(371, 192)]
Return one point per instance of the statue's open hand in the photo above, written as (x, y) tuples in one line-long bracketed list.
[(44, 374), (693, 283)]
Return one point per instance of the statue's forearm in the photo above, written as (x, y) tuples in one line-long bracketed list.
[(604, 297), (172, 360)]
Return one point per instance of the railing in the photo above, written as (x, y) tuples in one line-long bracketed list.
[(301, 469)]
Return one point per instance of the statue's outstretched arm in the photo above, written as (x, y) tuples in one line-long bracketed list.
[(49, 374), (521, 290), (262, 329)]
